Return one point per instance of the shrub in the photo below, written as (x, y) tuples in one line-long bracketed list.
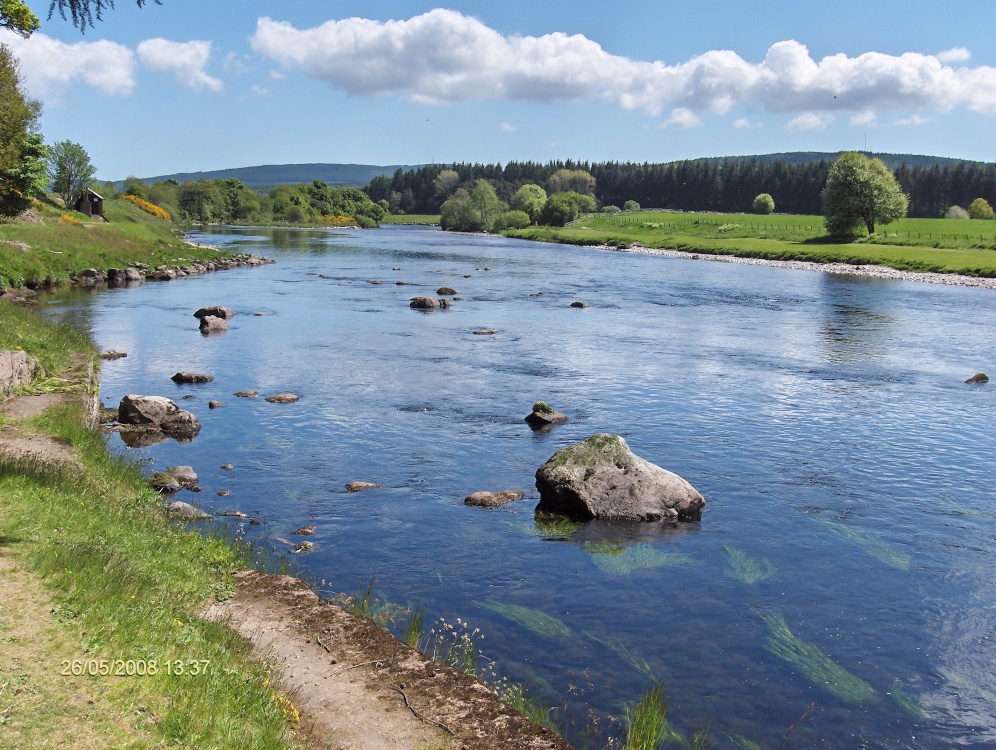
[(610, 210), (956, 212), (149, 208), (980, 209), (69, 219), (763, 204), (512, 220), (631, 206)]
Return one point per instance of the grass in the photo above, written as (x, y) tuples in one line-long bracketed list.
[(939, 245), (814, 664), (59, 249), (52, 346), (873, 545), (620, 560), (745, 568)]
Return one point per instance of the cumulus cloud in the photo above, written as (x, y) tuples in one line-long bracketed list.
[(861, 119), (809, 121), (444, 56), (744, 124), (954, 55), (186, 60), (683, 119), (51, 67), (508, 127), (912, 120)]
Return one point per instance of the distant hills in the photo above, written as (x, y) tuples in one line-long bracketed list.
[(265, 177), (357, 175)]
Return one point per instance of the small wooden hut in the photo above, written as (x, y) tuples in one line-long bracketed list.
[(91, 204)]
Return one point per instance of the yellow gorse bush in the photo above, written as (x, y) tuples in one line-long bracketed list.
[(149, 208), (68, 219)]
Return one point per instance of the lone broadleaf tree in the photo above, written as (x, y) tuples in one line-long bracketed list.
[(860, 191), (763, 204), (20, 144), (980, 209), (71, 171)]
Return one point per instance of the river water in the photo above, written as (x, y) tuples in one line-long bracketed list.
[(845, 556)]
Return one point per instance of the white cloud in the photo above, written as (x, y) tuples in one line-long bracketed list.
[(912, 120), (444, 56), (861, 119), (508, 127), (276, 75), (809, 121), (51, 67), (744, 124), (260, 91), (186, 60), (954, 55), (682, 119)]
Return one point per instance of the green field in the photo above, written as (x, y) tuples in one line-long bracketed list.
[(59, 247), (941, 245)]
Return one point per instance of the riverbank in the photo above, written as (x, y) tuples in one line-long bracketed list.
[(143, 626), (871, 270)]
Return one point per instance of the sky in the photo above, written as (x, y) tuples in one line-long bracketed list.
[(198, 85)]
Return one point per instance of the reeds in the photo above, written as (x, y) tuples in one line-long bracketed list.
[(745, 568), (620, 560), (813, 663), (647, 727)]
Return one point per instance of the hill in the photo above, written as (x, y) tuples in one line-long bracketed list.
[(265, 177)]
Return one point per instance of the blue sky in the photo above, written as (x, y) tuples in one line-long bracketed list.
[(197, 85)]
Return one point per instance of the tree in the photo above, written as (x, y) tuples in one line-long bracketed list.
[(71, 171), (486, 204), (631, 205), (529, 199), (568, 180), (17, 17), (82, 12), (980, 209), (21, 147), (457, 214), (763, 204), (860, 191), (563, 208), (956, 212), (445, 183)]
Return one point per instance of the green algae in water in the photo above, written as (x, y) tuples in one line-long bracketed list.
[(534, 620), (628, 655), (647, 727), (873, 545), (620, 560), (909, 703), (743, 743), (553, 527), (813, 663), (745, 568)]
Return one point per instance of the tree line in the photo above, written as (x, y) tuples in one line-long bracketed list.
[(727, 186)]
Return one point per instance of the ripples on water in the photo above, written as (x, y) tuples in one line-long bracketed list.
[(823, 417)]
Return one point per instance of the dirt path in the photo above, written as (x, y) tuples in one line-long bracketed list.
[(360, 688)]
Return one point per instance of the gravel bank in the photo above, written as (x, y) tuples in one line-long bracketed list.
[(882, 272)]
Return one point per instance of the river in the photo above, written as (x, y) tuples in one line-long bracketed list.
[(845, 554)]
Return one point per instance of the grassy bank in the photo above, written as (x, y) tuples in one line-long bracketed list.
[(125, 587), (939, 245), (426, 219), (63, 243)]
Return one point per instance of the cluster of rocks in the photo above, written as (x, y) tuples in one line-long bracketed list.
[(214, 318), (136, 273), (147, 420)]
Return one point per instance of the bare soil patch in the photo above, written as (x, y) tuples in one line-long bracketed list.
[(358, 687)]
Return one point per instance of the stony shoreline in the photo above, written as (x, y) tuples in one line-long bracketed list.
[(881, 272)]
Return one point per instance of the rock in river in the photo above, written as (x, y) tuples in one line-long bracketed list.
[(283, 398), (191, 377), (145, 409), (493, 499), (359, 486), (979, 377), (428, 303), (185, 475), (211, 324), (543, 415), (185, 511), (602, 478), (164, 483), (215, 311), (181, 426)]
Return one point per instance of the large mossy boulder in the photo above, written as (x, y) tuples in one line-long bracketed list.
[(544, 415), (602, 478)]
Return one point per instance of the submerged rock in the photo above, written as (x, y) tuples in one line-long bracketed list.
[(579, 303), (113, 354), (486, 332), (182, 426), (429, 303), (304, 547), (214, 404), (305, 531), (246, 394), (979, 377), (446, 291), (543, 415), (283, 398), (602, 478), (493, 499), (191, 377), (360, 486)]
